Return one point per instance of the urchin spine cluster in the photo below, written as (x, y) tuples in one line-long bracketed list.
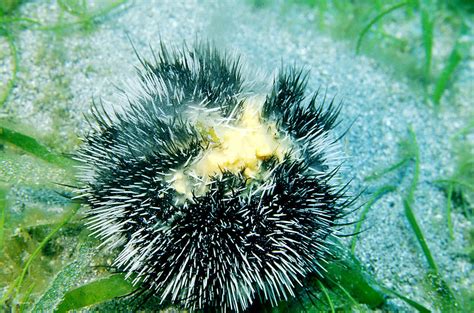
[(241, 238)]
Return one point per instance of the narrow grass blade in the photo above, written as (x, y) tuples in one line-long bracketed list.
[(326, 294), (3, 207), (448, 210), (26, 298), (348, 295), (11, 20), (375, 20), (32, 146), (95, 292), (456, 182), (408, 301), (446, 74), (409, 199), (419, 235), (415, 150), (427, 35), (380, 173), (377, 195)]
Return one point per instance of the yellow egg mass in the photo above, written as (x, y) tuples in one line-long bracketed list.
[(238, 147)]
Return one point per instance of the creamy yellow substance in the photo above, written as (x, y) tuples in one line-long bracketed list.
[(236, 148)]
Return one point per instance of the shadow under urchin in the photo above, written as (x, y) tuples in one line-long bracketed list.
[(214, 195)]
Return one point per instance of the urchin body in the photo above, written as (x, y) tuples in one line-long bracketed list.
[(213, 195)]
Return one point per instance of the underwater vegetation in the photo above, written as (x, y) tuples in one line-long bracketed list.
[(372, 26), (46, 247)]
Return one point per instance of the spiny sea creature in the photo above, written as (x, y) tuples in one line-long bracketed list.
[(214, 192)]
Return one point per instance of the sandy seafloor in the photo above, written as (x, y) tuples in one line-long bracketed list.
[(380, 104)]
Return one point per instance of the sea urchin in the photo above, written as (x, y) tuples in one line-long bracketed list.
[(214, 194)]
